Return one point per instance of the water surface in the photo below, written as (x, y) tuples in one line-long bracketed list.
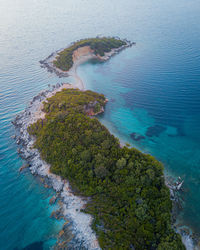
[(153, 89)]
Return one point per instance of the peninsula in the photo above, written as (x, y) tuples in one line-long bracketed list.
[(125, 190)]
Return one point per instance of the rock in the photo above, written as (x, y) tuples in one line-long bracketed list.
[(53, 200), (42, 180), (137, 137), (172, 196), (185, 230), (19, 151), (180, 185), (46, 185), (18, 141), (23, 167), (66, 225), (61, 233), (155, 130), (58, 214)]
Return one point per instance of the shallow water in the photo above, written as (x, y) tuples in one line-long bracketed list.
[(153, 89), (160, 102)]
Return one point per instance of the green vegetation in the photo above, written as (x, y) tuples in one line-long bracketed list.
[(64, 59), (129, 201)]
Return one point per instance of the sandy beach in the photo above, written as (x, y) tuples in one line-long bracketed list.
[(80, 56)]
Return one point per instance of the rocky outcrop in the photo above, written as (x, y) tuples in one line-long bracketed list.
[(23, 167), (48, 64), (53, 199), (116, 51), (176, 187), (93, 108), (137, 137), (58, 214)]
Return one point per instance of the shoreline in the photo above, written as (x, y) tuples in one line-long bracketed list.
[(189, 237), (71, 204), (78, 60), (78, 224), (77, 229)]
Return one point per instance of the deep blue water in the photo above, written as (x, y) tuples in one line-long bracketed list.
[(153, 88)]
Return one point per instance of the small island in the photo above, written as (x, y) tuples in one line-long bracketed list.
[(127, 201), (64, 62)]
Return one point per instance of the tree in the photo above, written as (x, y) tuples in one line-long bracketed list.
[(101, 172), (121, 163), (86, 156)]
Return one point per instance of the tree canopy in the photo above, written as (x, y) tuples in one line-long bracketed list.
[(130, 203), (64, 60)]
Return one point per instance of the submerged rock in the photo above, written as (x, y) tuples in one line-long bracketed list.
[(137, 137), (53, 200), (155, 130), (61, 233), (33, 246), (58, 214), (23, 167)]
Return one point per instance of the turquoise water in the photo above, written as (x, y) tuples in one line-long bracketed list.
[(153, 89), (155, 94)]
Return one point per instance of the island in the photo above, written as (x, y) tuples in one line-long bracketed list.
[(123, 189), (64, 62)]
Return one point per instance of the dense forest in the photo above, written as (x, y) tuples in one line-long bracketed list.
[(130, 203), (64, 59)]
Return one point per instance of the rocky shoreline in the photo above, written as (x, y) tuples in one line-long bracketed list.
[(176, 187), (48, 62), (76, 231)]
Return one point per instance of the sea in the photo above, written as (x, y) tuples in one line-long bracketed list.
[(153, 90)]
